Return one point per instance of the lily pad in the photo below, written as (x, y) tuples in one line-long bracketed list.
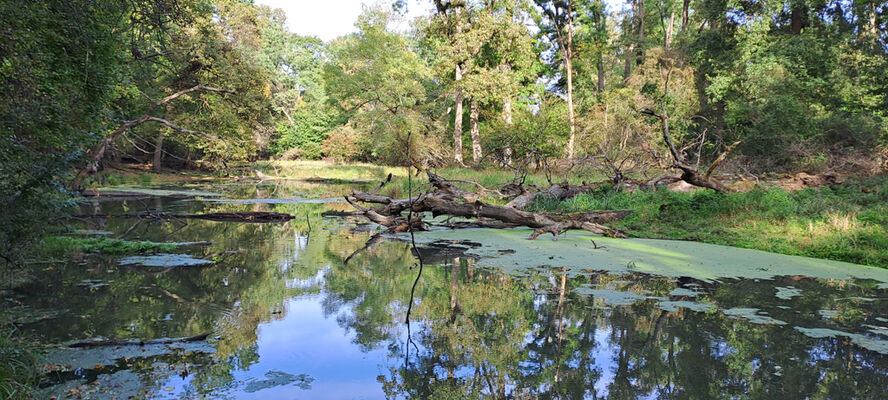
[(164, 260)]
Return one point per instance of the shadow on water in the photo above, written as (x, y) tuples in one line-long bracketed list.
[(318, 311)]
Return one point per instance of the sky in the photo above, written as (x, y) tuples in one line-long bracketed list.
[(329, 19)]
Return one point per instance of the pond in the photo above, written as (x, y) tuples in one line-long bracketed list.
[(317, 308)]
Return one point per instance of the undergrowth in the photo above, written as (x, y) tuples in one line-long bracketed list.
[(19, 362), (845, 223)]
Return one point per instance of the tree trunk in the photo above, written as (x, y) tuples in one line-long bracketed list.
[(670, 27), (796, 15), (507, 117), (600, 66), (158, 151), (639, 17), (568, 66), (457, 118), (627, 67), (684, 14), (476, 133)]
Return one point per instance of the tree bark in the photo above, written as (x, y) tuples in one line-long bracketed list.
[(796, 14), (476, 132), (507, 117), (600, 67), (457, 118), (639, 17), (690, 174), (684, 14), (627, 67), (448, 199), (568, 66), (670, 27), (158, 151)]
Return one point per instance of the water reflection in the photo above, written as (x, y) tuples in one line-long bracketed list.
[(299, 311)]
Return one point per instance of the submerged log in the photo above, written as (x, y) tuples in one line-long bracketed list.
[(245, 216), (116, 342)]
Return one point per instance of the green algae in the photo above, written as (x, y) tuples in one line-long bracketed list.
[(673, 306), (165, 260), (788, 292), (576, 252), (684, 292), (753, 315), (877, 345), (612, 297)]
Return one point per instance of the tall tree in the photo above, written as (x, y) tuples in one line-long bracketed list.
[(556, 22)]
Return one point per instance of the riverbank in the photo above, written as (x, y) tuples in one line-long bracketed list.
[(846, 222)]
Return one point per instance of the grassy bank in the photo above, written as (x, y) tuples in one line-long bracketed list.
[(844, 223), (18, 364)]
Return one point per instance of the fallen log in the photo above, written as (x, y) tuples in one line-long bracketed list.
[(542, 223), (116, 342), (558, 191), (246, 216)]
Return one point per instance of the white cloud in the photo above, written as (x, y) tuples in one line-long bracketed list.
[(331, 18)]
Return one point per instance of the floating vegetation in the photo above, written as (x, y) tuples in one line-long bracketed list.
[(164, 260), (753, 315), (64, 245)]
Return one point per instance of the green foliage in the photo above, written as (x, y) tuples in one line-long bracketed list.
[(309, 129)]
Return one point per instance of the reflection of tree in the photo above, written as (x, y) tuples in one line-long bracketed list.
[(254, 274), (479, 333), (485, 334)]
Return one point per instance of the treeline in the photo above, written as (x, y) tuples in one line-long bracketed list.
[(206, 83), (802, 84)]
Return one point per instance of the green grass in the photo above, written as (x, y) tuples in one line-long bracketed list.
[(19, 362), (844, 223), (64, 245)]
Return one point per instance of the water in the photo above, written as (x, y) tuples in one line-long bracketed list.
[(289, 317)]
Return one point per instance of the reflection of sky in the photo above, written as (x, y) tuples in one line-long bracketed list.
[(307, 343)]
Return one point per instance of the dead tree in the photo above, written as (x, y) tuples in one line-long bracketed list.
[(688, 173), (449, 199)]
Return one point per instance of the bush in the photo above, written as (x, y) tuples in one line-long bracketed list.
[(343, 144)]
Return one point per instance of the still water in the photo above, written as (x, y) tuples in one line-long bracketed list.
[(315, 308)]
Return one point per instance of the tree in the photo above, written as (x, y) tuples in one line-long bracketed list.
[(378, 83), (556, 22)]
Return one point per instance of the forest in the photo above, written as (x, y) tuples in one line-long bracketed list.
[(752, 124)]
